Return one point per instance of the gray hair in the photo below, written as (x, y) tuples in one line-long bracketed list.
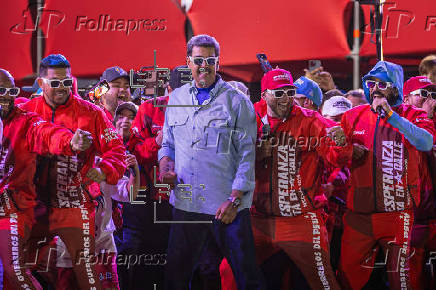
[(355, 93), (203, 40)]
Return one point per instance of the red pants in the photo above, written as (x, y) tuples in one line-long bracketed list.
[(303, 238), (14, 232), (106, 268), (362, 237), (423, 256), (75, 226)]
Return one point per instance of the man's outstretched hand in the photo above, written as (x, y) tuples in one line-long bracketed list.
[(81, 140)]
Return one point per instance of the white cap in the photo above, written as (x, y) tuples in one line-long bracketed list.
[(335, 106)]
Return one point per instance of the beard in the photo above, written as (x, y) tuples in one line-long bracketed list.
[(282, 111), (5, 110), (391, 97), (111, 103)]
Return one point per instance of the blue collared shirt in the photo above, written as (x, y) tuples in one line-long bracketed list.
[(213, 147)]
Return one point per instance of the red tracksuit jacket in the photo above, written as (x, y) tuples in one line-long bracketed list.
[(387, 179), (67, 175), (25, 135), (427, 208), (287, 182)]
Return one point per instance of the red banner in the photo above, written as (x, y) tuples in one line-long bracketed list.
[(95, 35), (409, 27), (16, 28), (284, 30)]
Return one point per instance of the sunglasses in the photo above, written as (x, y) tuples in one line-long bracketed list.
[(12, 91), (280, 93), (424, 93), (381, 85), (199, 60), (55, 83)]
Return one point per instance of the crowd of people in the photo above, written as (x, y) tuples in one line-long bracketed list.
[(308, 188)]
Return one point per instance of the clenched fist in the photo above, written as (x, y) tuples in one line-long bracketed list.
[(96, 174), (131, 161), (337, 135), (81, 140), (359, 152), (381, 102), (430, 107)]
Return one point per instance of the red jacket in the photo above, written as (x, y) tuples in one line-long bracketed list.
[(427, 208), (25, 135), (287, 182), (338, 177), (387, 178), (108, 115), (148, 122), (260, 108), (67, 176)]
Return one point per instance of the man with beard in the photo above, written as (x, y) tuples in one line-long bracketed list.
[(208, 155), (387, 138), (119, 91), (292, 142), (62, 182), (421, 93), (23, 136)]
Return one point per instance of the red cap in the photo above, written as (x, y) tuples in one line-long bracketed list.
[(275, 79), (416, 83)]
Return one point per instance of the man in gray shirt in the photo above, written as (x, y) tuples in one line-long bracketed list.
[(207, 155)]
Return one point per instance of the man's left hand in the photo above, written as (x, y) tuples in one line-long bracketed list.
[(226, 213), (430, 106), (323, 78), (96, 174)]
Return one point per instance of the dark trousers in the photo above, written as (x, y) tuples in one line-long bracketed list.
[(188, 241), (142, 254)]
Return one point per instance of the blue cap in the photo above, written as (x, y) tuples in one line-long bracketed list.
[(114, 73), (310, 89)]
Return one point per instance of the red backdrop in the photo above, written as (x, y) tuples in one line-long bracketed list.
[(284, 30), (15, 33), (409, 27), (98, 34)]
